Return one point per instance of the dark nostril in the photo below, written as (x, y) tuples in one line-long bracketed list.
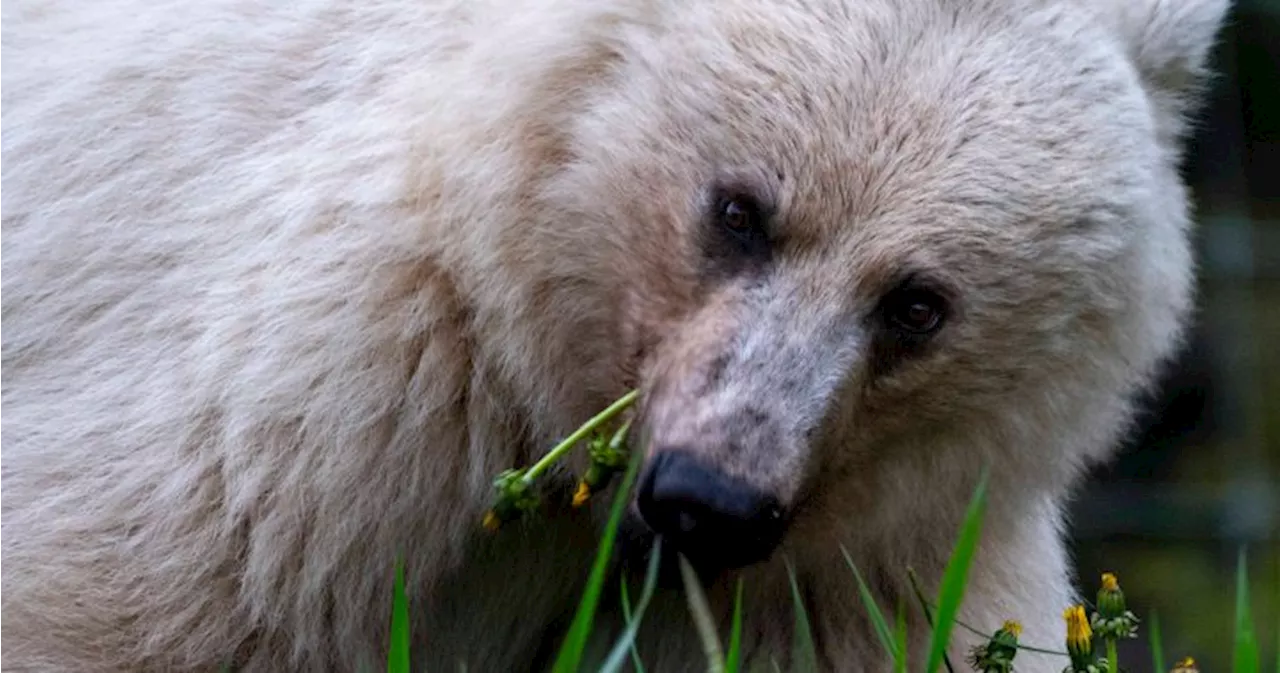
[(708, 515)]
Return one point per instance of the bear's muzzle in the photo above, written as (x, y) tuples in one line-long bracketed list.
[(716, 520)]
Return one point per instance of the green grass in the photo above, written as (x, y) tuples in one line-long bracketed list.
[(956, 577), (1157, 648), (941, 615), (804, 655), (873, 609), (1246, 658), (570, 657), (398, 652), (900, 640), (626, 644), (703, 621), (733, 660)]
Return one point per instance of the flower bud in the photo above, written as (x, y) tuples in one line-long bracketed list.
[(608, 458), (516, 496), (1110, 597), (996, 656), (1113, 620), (1079, 638)]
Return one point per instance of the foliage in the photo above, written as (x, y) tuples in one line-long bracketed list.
[(1084, 635)]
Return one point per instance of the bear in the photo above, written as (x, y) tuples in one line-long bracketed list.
[(287, 284)]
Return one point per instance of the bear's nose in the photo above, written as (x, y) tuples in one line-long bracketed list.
[(716, 520)]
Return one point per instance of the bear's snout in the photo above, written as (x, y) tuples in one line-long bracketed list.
[(716, 520)]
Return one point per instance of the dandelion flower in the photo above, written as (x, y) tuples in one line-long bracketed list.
[(1110, 597), (1079, 635), (516, 497), (1113, 620), (1079, 640), (996, 656)]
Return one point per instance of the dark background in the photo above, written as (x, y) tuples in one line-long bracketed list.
[(1201, 476)]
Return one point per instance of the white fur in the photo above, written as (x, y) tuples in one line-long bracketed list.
[(286, 284)]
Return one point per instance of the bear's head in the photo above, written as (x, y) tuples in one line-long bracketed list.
[(867, 249)]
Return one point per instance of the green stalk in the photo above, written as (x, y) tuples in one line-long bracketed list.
[(1157, 648), (1112, 665), (569, 659), (578, 435), (928, 614)]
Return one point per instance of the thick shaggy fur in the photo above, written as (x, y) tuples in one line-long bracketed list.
[(287, 283)]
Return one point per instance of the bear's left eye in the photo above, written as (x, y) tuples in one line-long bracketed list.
[(917, 312)]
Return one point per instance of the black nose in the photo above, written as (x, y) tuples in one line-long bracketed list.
[(716, 520)]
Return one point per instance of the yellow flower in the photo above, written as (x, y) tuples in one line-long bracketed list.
[(1013, 627), (1109, 582), (582, 494), (1187, 665), (1079, 635)]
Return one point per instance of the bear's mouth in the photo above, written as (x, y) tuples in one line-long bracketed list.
[(637, 543)]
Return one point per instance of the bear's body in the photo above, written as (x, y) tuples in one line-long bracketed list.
[(287, 284)]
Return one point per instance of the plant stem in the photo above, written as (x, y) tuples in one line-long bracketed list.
[(1112, 664), (578, 435), (1020, 646), (915, 586), (620, 436)]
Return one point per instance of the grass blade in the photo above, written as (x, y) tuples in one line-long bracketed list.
[(627, 642), (928, 614), (702, 618), (569, 658), (956, 576), (1246, 658), (900, 640), (873, 609), (1157, 648), (733, 660), (804, 655), (626, 613), (398, 652)]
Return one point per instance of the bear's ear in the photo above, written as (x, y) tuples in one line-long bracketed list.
[(1169, 41)]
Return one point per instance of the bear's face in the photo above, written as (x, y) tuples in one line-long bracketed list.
[(856, 238)]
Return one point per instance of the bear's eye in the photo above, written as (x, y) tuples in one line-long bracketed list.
[(736, 238), (908, 318), (740, 216), (917, 312)]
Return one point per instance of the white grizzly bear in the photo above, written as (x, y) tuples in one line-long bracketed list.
[(286, 284)]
